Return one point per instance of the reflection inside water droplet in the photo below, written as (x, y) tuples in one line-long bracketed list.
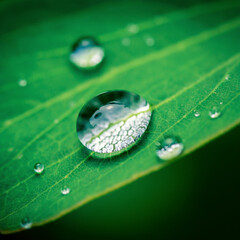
[(38, 168), (26, 223), (169, 148), (112, 122), (87, 53), (214, 113)]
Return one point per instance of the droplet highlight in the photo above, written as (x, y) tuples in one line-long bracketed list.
[(87, 53), (214, 113), (113, 122), (38, 168), (26, 223), (65, 190), (169, 148)]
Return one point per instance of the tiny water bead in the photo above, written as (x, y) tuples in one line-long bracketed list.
[(214, 113), (38, 168), (22, 83), (149, 41), (10, 149), (196, 114), (126, 41), (65, 190), (112, 122), (87, 53), (133, 28), (26, 223), (169, 148), (227, 77)]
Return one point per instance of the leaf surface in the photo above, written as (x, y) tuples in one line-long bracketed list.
[(193, 65)]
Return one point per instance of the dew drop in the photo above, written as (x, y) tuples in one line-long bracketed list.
[(65, 190), (169, 148), (56, 121), (227, 77), (214, 113), (72, 104), (126, 41), (133, 28), (20, 156), (149, 41), (112, 122), (87, 53), (10, 149), (22, 83), (196, 114), (38, 168), (26, 223), (221, 103)]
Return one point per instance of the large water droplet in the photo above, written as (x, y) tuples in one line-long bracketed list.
[(65, 190), (214, 113), (169, 148), (87, 53), (26, 223), (38, 168), (112, 122)]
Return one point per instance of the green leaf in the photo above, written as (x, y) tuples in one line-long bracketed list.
[(193, 66)]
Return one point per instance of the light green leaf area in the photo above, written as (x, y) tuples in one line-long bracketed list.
[(193, 65)]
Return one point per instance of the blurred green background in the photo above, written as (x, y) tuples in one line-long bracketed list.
[(194, 198)]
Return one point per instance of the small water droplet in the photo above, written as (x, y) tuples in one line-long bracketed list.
[(221, 103), (149, 41), (10, 149), (227, 77), (214, 113), (56, 121), (126, 41), (65, 190), (196, 114), (72, 104), (112, 122), (169, 148), (26, 223), (22, 83), (38, 168), (133, 28), (87, 53), (7, 123), (20, 156)]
